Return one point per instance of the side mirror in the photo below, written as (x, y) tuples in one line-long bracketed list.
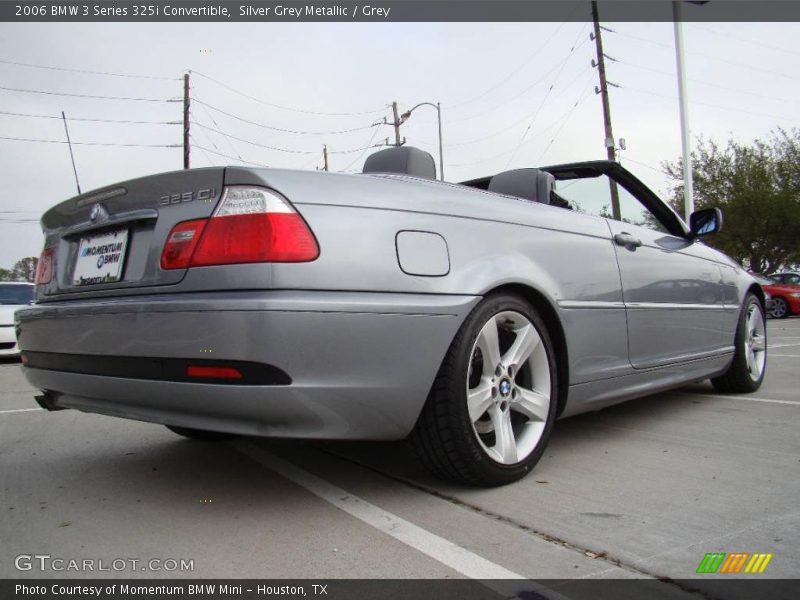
[(705, 222)]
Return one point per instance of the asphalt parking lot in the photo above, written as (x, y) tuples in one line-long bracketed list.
[(643, 489)]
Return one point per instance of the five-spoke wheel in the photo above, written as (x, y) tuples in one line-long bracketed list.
[(746, 371), (508, 387), (493, 404)]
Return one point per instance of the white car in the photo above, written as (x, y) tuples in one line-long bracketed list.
[(13, 295)]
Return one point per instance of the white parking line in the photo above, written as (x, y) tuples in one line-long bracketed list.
[(771, 355), (746, 398), (771, 346), (18, 410), (446, 552)]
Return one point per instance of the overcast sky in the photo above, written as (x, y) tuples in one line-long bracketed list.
[(508, 94)]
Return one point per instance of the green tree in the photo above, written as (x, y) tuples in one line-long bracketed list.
[(757, 186), (6, 275), (24, 269)]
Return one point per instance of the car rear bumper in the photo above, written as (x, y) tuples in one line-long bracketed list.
[(356, 365)]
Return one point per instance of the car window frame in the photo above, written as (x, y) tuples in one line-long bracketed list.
[(662, 211)]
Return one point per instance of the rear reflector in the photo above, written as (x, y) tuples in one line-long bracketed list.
[(213, 372), (181, 242), (250, 225), (44, 268)]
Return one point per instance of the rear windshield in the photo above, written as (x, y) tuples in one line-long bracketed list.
[(16, 294)]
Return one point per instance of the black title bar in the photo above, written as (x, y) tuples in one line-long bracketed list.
[(396, 11)]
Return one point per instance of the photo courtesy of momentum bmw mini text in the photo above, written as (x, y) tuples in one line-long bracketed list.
[(464, 299)]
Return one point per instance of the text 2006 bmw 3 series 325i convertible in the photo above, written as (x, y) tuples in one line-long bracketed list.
[(384, 304)]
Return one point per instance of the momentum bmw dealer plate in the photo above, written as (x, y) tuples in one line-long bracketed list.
[(100, 258)]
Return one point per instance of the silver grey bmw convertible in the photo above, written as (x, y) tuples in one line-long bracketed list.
[(383, 305)]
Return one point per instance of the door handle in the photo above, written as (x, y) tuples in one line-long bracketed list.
[(626, 239)]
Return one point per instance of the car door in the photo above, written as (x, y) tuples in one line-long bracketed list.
[(672, 287), (673, 296)]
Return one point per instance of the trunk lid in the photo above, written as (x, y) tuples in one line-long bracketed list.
[(112, 238)]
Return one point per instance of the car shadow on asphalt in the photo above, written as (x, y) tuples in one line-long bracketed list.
[(580, 433)]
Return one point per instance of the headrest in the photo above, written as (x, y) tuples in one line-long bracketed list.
[(402, 159), (530, 184)]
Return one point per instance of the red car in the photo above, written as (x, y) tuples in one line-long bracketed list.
[(785, 297)]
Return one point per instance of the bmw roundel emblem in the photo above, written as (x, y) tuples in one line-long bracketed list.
[(98, 212), (505, 387)]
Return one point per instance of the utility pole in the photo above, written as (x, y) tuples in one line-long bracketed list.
[(396, 123), (325, 155), (186, 121), (71, 155), (603, 91)]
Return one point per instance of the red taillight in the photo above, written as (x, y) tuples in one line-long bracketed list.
[(261, 237), (250, 225), (181, 243), (44, 268), (213, 372)]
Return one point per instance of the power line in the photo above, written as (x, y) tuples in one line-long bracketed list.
[(227, 139), (510, 75), (17, 139), (231, 157), (526, 117), (706, 83), (360, 156), (544, 99), (564, 122), (651, 167), (251, 142), (16, 114), (553, 123), (281, 129), (710, 57), (26, 91), (742, 39), (524, 91), (281, 107), (209, 140), (203, 150), (276, 148), (717, 106), (70, 70)]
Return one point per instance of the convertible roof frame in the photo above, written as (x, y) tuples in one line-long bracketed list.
[(591, 169)]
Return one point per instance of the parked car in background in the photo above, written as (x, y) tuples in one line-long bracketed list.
[(785, 298), (380, 305), (788, 277), (13, 295)]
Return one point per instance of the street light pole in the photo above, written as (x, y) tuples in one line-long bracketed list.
[(404, 117), (688, 192), (441, 153)]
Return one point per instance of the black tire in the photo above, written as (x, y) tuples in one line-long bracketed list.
[(739, 378), (200, 434), (779, 308), (445, 438)]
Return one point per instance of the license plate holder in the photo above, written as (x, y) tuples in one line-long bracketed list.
[(101, 258)]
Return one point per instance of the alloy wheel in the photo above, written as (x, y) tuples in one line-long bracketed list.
[(755, 342), (779, 308), (508, 387)]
